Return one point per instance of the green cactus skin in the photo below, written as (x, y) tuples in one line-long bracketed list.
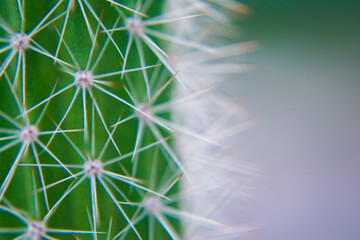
[(86, 127)]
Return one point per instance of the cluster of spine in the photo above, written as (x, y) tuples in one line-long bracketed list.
[(110, 124), (221, 192)]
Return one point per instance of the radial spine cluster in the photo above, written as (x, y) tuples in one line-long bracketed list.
[(111, 124)]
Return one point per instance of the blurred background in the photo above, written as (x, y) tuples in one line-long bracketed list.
[(305, 92)]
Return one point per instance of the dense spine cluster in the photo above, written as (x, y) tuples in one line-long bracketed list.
[(110, 124)]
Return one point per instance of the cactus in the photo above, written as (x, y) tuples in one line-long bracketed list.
[(110, 124)]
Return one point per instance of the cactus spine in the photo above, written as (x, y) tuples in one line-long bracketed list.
[(91, 145)]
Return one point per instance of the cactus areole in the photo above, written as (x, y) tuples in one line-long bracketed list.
[(102, 136)]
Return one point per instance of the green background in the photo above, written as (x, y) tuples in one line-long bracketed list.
[(305, 93)]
